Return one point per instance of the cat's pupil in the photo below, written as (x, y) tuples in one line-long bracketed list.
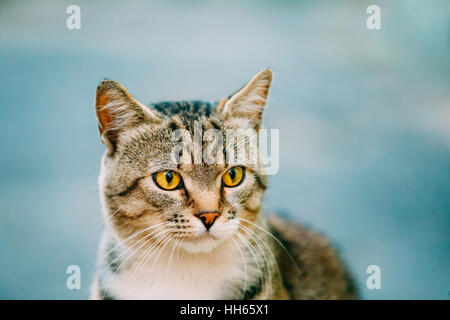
[(232, 174), (169, 176)]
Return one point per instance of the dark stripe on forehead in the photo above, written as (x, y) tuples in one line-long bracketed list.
[(173, 126), (194, 107), (215, 124), (186, 112)]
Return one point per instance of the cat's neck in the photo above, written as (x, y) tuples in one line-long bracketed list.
[(174, 273)]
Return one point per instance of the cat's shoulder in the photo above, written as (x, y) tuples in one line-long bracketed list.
[(318, 273), (292, 231)]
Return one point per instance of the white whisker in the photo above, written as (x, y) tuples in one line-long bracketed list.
[(245, 267), (278, 241)]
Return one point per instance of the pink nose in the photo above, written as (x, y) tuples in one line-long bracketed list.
[(207, 218)]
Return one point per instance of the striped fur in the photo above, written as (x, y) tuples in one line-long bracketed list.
[(154, 246)]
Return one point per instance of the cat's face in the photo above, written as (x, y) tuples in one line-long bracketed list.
[(151, 196)]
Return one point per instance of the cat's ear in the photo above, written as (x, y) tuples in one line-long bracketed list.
[(118, 111), (248, 103)]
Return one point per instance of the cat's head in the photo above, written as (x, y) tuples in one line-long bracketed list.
[(154, 191)]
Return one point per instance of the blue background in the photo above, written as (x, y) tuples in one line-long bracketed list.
[(364, 119)]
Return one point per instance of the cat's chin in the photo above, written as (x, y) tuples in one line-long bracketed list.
[(201, 244)]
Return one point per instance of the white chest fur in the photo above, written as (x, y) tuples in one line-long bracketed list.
[(214, 275)]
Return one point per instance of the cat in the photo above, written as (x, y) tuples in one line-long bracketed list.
[(196, 230)]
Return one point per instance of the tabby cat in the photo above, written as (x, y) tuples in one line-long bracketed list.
[(196, 230)]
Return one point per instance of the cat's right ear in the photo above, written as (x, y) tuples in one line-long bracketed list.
[(118, 111), (249, 102)]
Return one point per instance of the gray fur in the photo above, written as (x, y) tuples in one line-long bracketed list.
[(138, 141)]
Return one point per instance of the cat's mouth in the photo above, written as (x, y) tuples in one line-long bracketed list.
[(206, 235), (203, 242)]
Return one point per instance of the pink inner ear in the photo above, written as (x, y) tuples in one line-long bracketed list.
[(104, 115), (250, 100)]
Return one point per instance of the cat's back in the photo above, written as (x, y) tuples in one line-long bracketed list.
[(317, 273)]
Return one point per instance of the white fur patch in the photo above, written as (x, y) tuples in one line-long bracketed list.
[(178, 274)]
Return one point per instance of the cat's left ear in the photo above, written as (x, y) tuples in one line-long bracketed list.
[(117, 111), (248, 103)]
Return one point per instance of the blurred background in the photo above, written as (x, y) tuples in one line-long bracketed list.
[(364, 119)]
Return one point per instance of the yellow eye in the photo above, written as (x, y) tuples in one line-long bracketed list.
[(168, 180), (233, 177)]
